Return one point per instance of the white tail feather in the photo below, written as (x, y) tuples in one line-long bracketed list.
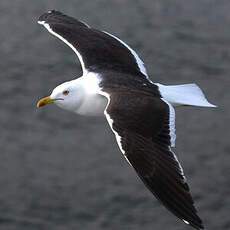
[(187, 94)]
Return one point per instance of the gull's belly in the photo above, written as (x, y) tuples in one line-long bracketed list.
[(92, 105)]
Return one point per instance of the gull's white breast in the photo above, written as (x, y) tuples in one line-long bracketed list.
[(93, 104)]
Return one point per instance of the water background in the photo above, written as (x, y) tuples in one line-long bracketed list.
[(59, 171)]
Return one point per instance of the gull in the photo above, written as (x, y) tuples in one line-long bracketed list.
[(140, 113)]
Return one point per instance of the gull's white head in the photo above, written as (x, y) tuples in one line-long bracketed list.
[(81, 95), (68, 95)]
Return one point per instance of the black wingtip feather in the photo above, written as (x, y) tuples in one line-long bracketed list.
[(49, 13), (152, 158), (56, 17), (187, 214)]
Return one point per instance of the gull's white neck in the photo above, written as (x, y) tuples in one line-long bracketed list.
[(92, 102)]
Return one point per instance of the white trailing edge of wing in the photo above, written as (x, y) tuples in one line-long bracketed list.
[(139, 62)]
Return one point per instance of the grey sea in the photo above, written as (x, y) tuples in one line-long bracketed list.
[(60, 171)]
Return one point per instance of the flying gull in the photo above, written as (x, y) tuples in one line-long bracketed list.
[(139, 112)]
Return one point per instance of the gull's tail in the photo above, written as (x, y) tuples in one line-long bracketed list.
[(187, 94)]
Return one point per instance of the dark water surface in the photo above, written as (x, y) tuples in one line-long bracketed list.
[(59, 171)]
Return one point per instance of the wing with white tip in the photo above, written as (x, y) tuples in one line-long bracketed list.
[(96, 50), (143, 135)]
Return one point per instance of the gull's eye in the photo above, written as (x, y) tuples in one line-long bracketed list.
[(65, 92)]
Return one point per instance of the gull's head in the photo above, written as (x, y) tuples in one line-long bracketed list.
[(68, 96)]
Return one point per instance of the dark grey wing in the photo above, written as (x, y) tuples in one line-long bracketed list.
[(96, 50), (141, 125)]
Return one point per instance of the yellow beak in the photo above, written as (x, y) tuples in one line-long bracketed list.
[(45, 101)]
